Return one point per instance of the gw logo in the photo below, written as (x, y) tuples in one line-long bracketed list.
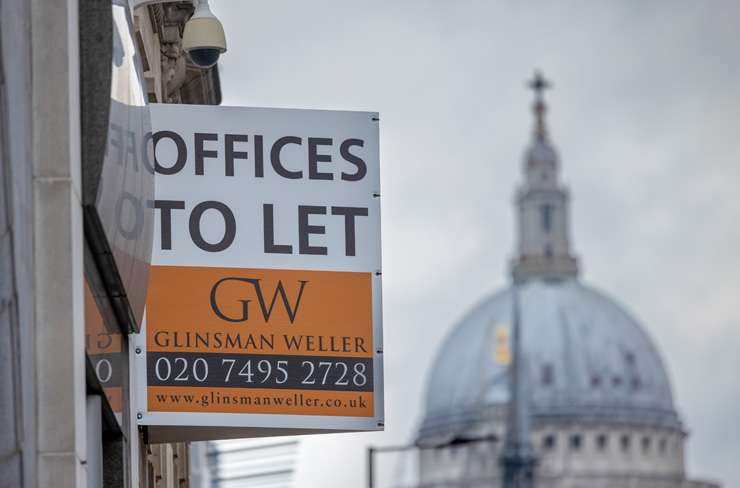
[(264, 308)]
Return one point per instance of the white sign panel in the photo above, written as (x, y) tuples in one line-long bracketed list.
[(264, 304)]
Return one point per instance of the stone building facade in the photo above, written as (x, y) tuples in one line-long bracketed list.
[(75, 82)]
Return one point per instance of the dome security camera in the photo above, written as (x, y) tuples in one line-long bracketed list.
[(204, 38)]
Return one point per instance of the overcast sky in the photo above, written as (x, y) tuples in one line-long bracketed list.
[(645, 114)]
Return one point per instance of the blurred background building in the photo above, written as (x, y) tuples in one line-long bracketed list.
[(597, 394), (250, 463)]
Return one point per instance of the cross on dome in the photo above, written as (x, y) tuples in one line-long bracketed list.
[(539, 84)]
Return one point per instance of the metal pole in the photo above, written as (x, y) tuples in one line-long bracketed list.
[(370, 467), (517, 458)]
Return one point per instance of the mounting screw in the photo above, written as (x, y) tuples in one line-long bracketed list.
[(381, 424), (138, 350), (139, 416)]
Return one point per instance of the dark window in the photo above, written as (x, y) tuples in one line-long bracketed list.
[(636, 383), (595, 380), (575, 441), (645, 444), (662, 445), (625, 441), (548, 251), (601, 441), (617, 381), (546, 213), (549, 442), (547, 374)]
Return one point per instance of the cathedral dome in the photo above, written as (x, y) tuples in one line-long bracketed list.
[(587, 359)]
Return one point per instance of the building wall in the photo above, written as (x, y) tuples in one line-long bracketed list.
[(43, 356), (570, 455), (47, 408), (17, 385)]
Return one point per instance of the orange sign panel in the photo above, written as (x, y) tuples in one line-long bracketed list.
[(262, 341), (104, 348)]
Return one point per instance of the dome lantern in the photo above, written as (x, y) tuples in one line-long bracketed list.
[(543, 206)]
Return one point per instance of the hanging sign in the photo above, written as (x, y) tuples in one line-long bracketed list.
[(264, 306)]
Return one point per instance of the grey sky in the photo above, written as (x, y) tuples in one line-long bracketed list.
[(645, 114)]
